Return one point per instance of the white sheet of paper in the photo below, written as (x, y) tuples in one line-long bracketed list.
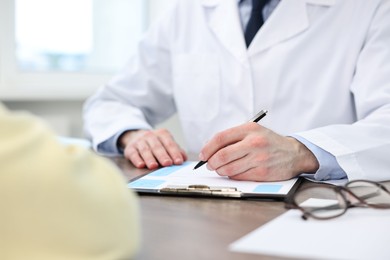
[(361, 233)]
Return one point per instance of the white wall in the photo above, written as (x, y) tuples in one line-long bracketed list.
[(65, 116)]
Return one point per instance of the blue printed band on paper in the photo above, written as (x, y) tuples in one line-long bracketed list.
[(168, 170), (268, 188), (145, 184)]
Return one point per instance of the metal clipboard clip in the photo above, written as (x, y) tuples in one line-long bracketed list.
[(203, 190)]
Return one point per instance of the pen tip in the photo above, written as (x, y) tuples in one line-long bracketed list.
[(199, 164)]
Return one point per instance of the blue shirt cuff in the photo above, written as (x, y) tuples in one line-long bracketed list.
[(329, 167), (109, 147)]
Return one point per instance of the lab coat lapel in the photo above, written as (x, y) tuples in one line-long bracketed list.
[(288, 20), (224, 21)]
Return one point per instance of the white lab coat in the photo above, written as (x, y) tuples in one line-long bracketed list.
[(321, 68)]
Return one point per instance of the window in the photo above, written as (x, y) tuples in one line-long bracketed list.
[(50, 48), (70, 43)]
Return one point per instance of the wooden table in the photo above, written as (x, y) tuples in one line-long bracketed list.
[(197, 228)]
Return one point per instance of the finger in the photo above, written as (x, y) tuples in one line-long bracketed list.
[(184, 155), (223, 139), (132, 154), (261, 170), (234, 168), (266, 171), (158, 149), (173, 149), (146, 154), (230, 155)]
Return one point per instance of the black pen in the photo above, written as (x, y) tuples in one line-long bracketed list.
[(255, 119)]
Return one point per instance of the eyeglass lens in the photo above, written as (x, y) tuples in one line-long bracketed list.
[(328, 202), (371, 193)]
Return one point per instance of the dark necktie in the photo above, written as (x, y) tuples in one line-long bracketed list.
[(255, 21)]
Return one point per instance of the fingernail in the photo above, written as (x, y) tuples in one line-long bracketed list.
[(167, 162), (153, 165), (140, 165), (178, 161)]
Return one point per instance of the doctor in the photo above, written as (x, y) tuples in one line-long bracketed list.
[(321, 67)]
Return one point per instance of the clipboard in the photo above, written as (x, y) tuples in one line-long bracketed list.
[(182, 180)]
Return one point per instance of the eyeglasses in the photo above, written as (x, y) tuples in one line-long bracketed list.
[(333, 201)]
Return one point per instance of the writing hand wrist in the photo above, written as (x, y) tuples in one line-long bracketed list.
[(305, 160)]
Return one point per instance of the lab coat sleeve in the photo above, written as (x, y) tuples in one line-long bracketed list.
[(60, 202), (362, 149), (141, 95)]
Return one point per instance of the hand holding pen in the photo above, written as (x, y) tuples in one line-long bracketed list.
[(255, 153), (255, 119)]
